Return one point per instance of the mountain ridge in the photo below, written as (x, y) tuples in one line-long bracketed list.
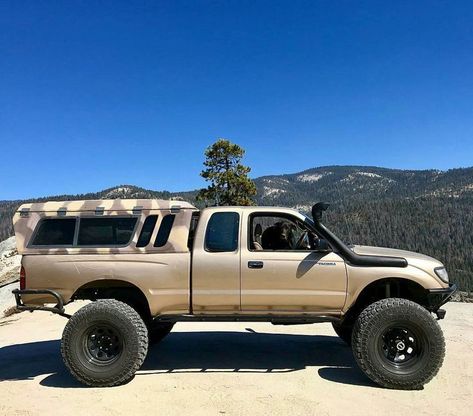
[(379, 168)]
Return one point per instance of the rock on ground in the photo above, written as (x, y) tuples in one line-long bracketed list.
[(7, 300), (9, 261)]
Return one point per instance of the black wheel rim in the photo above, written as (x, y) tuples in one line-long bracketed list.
[(401, 346), (102, 344)]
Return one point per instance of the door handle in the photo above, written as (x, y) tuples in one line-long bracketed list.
[(255, 264)]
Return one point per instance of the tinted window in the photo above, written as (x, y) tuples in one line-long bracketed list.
[(222, 232), (55, 232), (105, 231), (164, 230), (146, 231)]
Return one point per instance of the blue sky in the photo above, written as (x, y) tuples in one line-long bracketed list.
[(95, 94)]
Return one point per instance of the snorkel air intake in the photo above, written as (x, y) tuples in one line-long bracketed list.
[(349, 255), (318, 209)]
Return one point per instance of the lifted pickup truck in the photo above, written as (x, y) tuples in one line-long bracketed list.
[(147, 264)]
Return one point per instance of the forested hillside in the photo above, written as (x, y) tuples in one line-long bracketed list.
[(427, 211)]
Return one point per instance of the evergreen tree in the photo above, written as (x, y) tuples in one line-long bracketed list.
[(229, 181)]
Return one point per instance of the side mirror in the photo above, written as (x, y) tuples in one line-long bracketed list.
[(322, 245)]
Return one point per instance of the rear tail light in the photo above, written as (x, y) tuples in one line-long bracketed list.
[(22, 278)]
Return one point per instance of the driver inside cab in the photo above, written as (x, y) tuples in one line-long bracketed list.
[(282, 235)]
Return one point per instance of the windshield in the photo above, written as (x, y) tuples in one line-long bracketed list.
[(308, 219), (311, 224)]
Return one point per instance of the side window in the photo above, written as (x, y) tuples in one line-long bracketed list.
[(277, 232), (147, 230), (164, 230), (55, 232), (112, 231), (222, 232)]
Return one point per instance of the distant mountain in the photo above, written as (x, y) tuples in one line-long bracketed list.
[(340, 183), (429, 211)]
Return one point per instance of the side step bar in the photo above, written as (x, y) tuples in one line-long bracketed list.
[(274, 319)]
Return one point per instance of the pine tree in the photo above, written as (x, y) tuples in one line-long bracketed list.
[(229, 181)]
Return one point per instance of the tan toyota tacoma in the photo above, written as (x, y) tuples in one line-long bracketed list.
[(147, 264)]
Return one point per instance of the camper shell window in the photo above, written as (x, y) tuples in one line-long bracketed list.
[(111, 231), (84, 232), (57, 232)]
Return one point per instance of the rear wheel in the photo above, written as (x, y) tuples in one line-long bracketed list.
[(158, 330), (398, 344), (104, 343)]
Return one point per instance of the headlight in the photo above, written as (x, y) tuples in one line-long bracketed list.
[(442, 273)]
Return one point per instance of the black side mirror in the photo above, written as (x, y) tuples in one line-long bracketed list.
[(322, 245)]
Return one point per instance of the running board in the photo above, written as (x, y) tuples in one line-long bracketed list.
[(274, 319)]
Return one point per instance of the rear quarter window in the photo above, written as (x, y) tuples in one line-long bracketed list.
[(222, 232)]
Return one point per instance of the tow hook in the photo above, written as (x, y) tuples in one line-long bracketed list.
[(440, 313)]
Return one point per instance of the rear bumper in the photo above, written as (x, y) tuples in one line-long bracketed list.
[(20, 305), (438, 297)]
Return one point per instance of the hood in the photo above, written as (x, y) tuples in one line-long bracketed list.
[(415, 259)]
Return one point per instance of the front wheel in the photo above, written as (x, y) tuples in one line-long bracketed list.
[(104, 343), (344, 332), (398, 344)]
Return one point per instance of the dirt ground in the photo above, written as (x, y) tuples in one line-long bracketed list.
[(228, 369)]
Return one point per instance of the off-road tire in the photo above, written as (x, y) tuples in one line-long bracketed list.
[(129, 335), (372, 337), (344, 332), (158, 330)]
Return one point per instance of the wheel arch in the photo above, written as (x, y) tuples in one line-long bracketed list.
[(387, 287), (121, 290)]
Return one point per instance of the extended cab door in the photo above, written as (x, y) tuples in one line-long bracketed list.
[(215, 280), (281, 271)]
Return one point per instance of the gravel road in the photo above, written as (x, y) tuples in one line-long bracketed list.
[(228, 369)]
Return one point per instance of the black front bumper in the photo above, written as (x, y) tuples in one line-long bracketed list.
[(20, 305), (438, 297)]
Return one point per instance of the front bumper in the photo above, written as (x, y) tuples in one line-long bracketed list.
[(20, 305), (438, 297)]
